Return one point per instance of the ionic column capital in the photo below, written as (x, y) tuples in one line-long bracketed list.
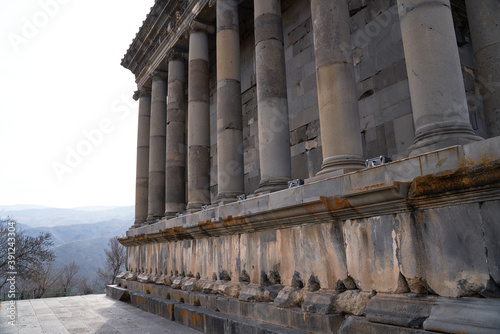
[(176, 54), (200, 26), (142, 92), (158, 75)]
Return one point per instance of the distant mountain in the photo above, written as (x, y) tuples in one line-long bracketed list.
[(79, 234), (71, 233), (88, 254), (38, 217)]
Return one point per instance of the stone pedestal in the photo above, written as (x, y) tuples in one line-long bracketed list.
[(175, 185), (272, 104), (198, 120), (229, 121), (337, 103), (483, 21), (142, 169), (437, 91), (156, 188)]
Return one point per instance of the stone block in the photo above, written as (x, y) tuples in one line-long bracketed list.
[(445, 248), (289, 297), (360, 325), (298, 135), (370, 252), (404, 132), (318, 302), (490, 211), (351, 302), (409, 310), (467, 315)]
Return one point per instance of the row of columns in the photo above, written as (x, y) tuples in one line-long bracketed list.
[(436, 88)]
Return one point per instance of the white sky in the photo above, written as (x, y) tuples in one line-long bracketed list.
[(65, 78)]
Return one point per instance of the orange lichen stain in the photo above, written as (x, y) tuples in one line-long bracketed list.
[(148, 290), (233, 221), (185, 315), (338, 203), (207, 224), (313, 208), (174, 232), (196, 320), (461, 179)]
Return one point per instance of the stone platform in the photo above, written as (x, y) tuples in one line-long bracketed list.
[(350, 312), (410, 244), (96, 314)]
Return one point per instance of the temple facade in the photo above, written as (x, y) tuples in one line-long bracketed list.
[(317, 166)]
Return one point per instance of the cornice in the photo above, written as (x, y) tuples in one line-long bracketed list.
[(167, 22)]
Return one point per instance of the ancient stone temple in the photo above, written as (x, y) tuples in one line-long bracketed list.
[(317, 166)]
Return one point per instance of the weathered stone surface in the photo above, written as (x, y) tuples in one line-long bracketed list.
[(467, 315), (444, 248), (408, 310), (289, 297), (122, 274), (371, 251), (132, 276), (254, 293), (351, 302), (319, 302), (360, 325)]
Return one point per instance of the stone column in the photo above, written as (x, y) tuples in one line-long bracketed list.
[(272, 104), (337, 103), (156, 190), (229, 122), (142, 169), (484, 17), (175, 194), (198, 118), (437, 91)]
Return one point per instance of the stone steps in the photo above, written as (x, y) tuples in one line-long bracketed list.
[(198, 318)]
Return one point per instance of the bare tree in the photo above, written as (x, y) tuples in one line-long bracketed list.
[(69, 278), (116, 257), (24, 255), (43, 282)]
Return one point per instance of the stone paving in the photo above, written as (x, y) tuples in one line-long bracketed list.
[(84, 314)]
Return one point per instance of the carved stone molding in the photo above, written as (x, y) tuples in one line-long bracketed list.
[(142, 92), (197, 26)]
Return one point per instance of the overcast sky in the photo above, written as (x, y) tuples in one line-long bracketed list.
[(68, 124)]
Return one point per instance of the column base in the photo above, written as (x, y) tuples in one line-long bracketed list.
[(341, 164), (152, 219), (439, 136), (195, 206), (271, 185), (227, 197), (139, 223)]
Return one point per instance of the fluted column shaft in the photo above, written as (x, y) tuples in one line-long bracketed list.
[(156, 189), (272, 104), (229, 121), (337, 103), (142, 169), (484, 16), (437, 91), (175, 185), (198, 122)]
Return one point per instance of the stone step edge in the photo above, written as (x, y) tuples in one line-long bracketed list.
[(266, 312), (198, 318)]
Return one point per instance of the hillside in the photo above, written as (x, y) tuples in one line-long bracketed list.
[(88, 254), (70, 233), (48, 217), (79, 234)]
